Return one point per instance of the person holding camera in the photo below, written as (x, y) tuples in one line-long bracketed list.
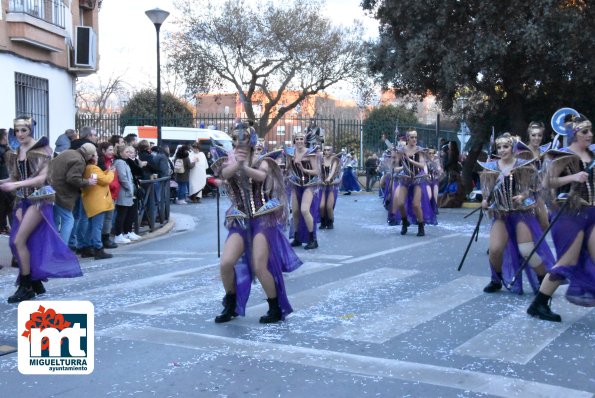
[(96, 201)]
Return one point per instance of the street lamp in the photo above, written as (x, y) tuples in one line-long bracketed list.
[(158, 16)]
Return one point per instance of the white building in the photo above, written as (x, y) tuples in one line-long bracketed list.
[(44, 46)]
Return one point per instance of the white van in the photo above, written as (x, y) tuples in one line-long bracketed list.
[(174, 136)]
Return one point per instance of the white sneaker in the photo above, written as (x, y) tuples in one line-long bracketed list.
[(121, 239), (132, 236), (181, 202)]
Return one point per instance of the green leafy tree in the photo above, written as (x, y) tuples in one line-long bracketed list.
[(141, 110), (263, 50), (381, 123), (516, 60)]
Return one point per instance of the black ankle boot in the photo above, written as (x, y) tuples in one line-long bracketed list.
[(14, 263), (540, 308), (229, 309), (313, 244), (274, 313), (38, 287), (296, 242), (24, 292), (100, 254), (323, 223), (404, 226), (420, 229), (107, 242), (494, 286), (329, 223)]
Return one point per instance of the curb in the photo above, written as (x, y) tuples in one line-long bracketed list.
[(164, 229)]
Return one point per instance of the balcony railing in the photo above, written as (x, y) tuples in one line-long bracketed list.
[(51, 11)]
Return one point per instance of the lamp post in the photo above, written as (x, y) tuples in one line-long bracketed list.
[(158, 16)]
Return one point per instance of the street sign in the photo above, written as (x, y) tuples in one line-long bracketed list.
[(558, 119)]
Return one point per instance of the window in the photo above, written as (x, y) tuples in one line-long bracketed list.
[(32, 99), (51, 11), (281, 130)]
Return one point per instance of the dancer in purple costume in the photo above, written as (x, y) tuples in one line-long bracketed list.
[(255, 245), (435, 174), (331, 179), (304, 176), (535, 150), (570, 176), (509, 184), (388, 163), (34, 240), (411, 202)]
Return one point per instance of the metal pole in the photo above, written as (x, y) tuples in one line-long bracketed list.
[(361, 143), (438, 133), (157, 27)]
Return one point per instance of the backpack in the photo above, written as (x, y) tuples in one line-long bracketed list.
[(179, 166)]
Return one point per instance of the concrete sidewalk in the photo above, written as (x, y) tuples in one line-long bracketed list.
[(6, 255)]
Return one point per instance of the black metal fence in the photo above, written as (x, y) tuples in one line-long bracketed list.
[(153, 203), (360, 136)]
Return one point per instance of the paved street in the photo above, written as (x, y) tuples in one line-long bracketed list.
[(376, 314)]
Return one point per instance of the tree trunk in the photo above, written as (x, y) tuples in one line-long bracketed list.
[(468, 167)]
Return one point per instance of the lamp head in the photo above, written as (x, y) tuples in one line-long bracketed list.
[(157, 15)]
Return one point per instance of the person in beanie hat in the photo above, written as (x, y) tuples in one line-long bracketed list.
[(96, 200), (66, 177)]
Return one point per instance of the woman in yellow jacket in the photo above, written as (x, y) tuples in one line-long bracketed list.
[(96, 200)]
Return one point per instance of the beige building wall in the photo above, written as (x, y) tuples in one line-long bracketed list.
[(37, 48)]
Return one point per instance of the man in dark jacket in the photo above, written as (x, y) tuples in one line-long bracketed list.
[(372, 164), (87, 135), (161, 160), (66, 177)]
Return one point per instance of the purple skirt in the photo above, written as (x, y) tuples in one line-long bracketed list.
[(512, 259), (581, 276), (282, 258), (50, 257), (427, 209), (302, 233)]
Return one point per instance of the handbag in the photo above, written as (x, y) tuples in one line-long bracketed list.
[(179, 166)]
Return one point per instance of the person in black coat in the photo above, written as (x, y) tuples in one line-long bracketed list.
[(145, 155), (87, 134), (161, 160)]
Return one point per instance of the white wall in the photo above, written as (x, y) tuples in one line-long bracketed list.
[(61, 93)]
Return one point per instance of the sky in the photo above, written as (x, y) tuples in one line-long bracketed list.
[(127, 38)]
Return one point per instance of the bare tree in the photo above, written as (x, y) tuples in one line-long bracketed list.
[(93, 95), (263, 50)]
